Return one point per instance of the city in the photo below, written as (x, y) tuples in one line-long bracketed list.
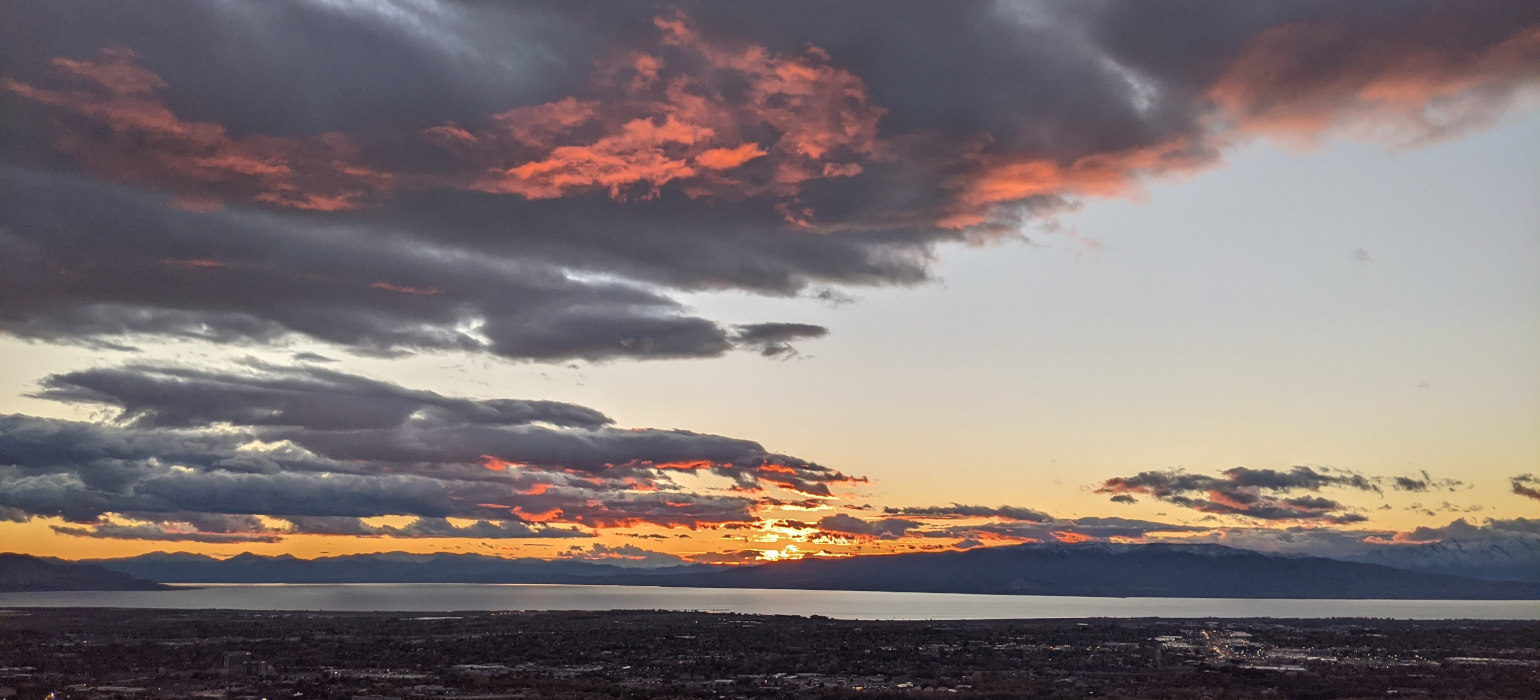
[(96, 653)]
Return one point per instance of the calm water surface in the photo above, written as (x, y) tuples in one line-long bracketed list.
[(860, 605)]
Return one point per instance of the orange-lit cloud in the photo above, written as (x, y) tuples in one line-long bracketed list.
[(657, 124), (354, 448), (729, 158), (733, 557), (634, 136), (723, 117), (554, 214), (998, 179), (1265, 494), (1410, 86), (117, 124)]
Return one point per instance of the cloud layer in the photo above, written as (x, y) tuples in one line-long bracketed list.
[(543, 181), (262, 453), (535, 180), (1265, 494), (203, 455)]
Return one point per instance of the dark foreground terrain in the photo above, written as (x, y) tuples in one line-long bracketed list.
[(78, 653)]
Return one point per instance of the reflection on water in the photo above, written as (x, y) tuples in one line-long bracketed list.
[(863, 605)]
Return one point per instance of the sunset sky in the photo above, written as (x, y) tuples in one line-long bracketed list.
[(660, 282)]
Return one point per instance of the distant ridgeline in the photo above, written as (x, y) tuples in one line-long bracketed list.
[(19, 572), (1154, 570)]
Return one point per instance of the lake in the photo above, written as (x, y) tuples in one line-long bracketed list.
[(858, 605)]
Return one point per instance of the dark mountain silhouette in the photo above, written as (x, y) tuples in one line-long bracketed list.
[(394, 567), (20, 572), (1160, 570), (1494, 559), (1156, 570)]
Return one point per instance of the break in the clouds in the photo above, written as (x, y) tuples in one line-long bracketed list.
[(1265, 494), (264, 452), (537, 180)]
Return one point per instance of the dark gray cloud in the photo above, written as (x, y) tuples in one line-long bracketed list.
[(774, 339), (198, 452), (178, 527), (267, 277), (1512, 540), (1423, 482), (1495, 548), (305, 67), (155, 533), (1125, 527), (732, 556), (1526, 485), (1263, 493), (423, 528), (535, 179), (957, 510), (208, 528), (844, 524), (1462, 529), (151, 396), (1088, 529), (626, 555), (1010, 524)]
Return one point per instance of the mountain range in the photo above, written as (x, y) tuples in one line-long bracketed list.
[(1090, 569), (1155, 570), (392, 567), (1494, 559), (19, 572)]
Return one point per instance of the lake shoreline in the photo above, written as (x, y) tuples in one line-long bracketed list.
[(862, 605)]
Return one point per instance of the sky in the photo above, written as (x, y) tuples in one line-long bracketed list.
[(654, 283)]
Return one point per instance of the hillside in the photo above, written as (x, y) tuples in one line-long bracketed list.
[(1156, 570), (20, 573)]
